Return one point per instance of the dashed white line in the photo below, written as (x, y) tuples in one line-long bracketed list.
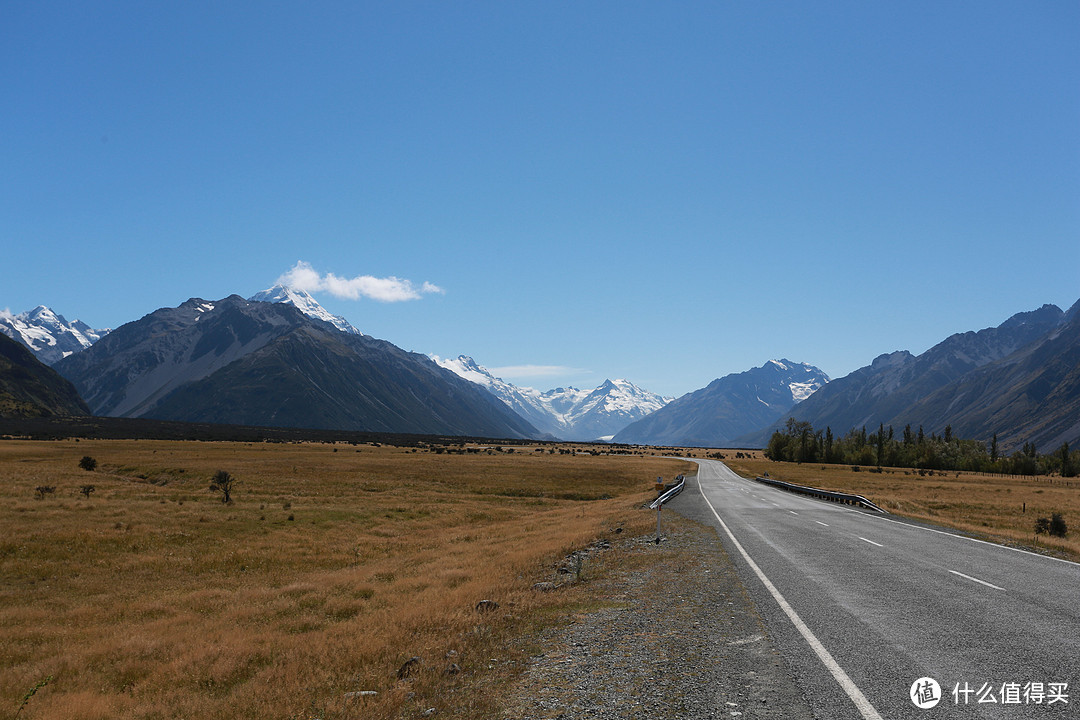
[(999, 546), (850, 688), (870, 541), (820, 523), (793, 512), (975, 579)]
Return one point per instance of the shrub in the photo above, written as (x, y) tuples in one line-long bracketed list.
[(223, 483), (88, 463), (43, 490), (87, 489), (1058, 528)]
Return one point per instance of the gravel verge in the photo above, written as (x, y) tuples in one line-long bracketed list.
[(668, 632)]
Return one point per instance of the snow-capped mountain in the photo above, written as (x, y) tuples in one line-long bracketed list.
[(728, 407), (566, 413), (49, 336), (239, 362), (306, 304)]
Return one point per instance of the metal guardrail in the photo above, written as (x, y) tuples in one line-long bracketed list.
[(669, 492), (846, 498)]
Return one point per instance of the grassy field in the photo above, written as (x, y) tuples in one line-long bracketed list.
[(1003, 508), (333, 566)]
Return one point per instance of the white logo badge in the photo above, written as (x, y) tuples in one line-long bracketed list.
[(925, 693)]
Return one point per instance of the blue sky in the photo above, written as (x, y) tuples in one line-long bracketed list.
[(666, 192)]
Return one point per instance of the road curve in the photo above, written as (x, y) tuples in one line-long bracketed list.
[(864, 605)]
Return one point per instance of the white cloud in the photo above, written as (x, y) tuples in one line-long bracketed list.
[(389, 289), (535, 371)]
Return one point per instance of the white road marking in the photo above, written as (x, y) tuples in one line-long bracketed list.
[(999, 546), (820, 523), (975, 579), (850, 688), (871, 542), (793, 512)]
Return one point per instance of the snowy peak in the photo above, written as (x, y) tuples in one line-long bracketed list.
[(48, 335), (566, 413), (800, 378), (623, 397), (306, 304), (465, 367)]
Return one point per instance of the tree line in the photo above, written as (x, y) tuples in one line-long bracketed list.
[(799, 442)]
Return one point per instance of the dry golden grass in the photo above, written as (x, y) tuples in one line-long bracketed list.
[(1000, 507), (333, 566)]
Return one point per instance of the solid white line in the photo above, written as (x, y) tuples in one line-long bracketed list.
[(850, 688), (820, 523), (975, 579), (871, 542)]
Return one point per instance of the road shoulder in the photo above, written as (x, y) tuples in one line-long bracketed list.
[(669, 632)]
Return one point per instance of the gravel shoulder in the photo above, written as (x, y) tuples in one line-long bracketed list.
[(669, 631)]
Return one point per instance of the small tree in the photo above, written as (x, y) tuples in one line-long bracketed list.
[(86, 490), (43, 490), (1042, 526), (223, 483), (1067, 469), (1058, 528), (88, 463)]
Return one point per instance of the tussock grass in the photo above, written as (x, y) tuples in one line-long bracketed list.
[(1001, 507), (332, 567)]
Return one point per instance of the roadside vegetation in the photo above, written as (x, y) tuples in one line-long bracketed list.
[(909, 448), (277, 580)]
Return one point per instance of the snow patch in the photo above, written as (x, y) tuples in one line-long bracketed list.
[(801, 391)]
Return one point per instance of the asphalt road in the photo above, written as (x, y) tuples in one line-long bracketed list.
[(863, 605)]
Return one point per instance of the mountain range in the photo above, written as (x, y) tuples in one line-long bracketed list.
[(1019, 380), (728, 407), (566, 413), (280, 359), (244, 362)]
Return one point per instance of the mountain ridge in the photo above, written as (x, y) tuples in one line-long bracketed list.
[(932, 389), (30, 388), (727, 407), (261, 363)]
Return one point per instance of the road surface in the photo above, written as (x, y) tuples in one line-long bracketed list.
[(863, 605)]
